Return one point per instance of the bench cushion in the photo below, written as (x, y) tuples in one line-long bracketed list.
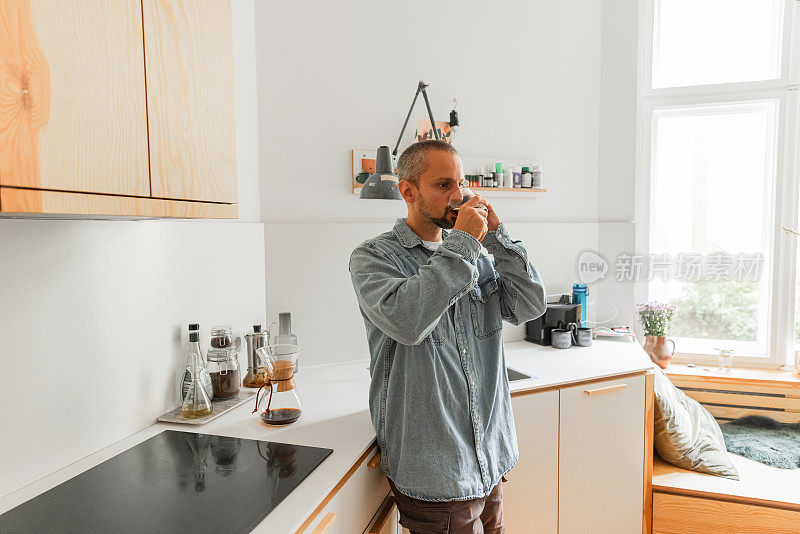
[(759, 484), (685, 434)]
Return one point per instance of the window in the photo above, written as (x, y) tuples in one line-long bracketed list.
[(700, 42), (716, 174)]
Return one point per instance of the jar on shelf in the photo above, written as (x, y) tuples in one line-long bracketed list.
[(223, 366)]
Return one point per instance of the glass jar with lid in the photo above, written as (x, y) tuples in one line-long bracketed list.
[(223, 366), (221, 337)]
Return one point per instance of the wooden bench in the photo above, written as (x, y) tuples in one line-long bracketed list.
[(766, 499)]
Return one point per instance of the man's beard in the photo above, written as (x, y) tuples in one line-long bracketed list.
[(441, 222)]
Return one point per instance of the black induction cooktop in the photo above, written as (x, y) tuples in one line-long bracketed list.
[(173, 482)]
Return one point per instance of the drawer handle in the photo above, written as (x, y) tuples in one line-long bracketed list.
[(325, 524), (375, 461), (605, 389)]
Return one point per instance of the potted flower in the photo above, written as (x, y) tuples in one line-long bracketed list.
[(655, 318)]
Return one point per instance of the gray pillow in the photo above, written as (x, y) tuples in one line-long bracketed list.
[(685, 434)]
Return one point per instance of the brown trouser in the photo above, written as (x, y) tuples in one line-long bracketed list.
[(474, 516)]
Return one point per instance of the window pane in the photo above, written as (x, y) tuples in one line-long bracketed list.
[(698, 42), (712, 173)]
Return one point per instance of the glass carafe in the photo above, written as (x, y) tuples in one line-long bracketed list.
[(280, 404), (197, 403)]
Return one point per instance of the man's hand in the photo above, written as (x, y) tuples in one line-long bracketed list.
[(473, 220), (492, 220)]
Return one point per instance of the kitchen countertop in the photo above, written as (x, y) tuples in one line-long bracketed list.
[(336, 416)]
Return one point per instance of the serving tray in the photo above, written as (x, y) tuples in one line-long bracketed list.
[(219, 407)]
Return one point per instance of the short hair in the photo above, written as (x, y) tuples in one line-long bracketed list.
[(413, 161)]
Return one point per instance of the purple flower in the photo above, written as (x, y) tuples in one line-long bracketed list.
[(655, 317)]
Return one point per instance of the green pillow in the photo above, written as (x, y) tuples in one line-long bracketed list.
[(685, 434)]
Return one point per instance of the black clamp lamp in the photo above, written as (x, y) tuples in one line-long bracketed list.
[(382, 183)]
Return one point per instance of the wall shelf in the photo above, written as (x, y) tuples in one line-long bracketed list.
[(468, 161), (491, 192)]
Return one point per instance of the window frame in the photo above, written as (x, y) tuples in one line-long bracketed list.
[(785, 185)]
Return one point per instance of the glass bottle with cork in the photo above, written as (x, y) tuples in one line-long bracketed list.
[(204, 377), (197, 402)]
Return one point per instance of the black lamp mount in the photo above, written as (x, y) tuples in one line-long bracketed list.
[(420, 89)]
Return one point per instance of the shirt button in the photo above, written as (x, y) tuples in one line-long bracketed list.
[(463, 351)]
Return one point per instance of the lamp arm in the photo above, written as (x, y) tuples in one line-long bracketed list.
[(430, 114), (420, 89)]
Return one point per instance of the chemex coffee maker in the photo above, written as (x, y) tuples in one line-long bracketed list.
[(564, 315), (280, 404)]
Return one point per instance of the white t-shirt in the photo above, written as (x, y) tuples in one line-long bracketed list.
[(431, 245)]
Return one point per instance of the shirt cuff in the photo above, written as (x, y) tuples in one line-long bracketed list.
[(497, 238), (464, 244)]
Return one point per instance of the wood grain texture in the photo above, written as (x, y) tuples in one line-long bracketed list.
[(649, 420), (734, 412), (743, 399), (677, 514), (24, 94), (72, 96), (14, 200), (189, 70), (742, 375), (782, 388)]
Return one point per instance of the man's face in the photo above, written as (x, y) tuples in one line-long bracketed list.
[(437, 184)]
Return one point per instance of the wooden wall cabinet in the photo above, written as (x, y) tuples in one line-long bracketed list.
[(120, 108)]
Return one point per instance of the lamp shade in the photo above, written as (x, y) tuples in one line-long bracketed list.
[(382, 183)]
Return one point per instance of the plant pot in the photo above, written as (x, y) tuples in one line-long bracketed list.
[(656, 348)]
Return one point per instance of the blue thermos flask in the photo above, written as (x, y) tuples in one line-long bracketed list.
[(579, 296)]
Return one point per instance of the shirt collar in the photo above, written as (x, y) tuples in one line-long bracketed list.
[(408, 237)]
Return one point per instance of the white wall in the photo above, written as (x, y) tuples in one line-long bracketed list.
[(334, 76), (617, 152), (93, 314)]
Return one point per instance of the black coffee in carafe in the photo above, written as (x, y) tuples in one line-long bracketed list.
[(280, 416)]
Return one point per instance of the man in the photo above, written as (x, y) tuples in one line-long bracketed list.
[(433, 305)]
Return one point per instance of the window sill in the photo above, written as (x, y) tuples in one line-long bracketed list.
[(748, 375)]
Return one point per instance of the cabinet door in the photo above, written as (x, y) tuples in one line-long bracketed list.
[(601, 457), (530, 496), (189, 70), (72, 96), (386, 520), (351, 509)]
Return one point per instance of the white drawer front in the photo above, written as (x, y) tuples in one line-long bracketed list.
[(356, 502)]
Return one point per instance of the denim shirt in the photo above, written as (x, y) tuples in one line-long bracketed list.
[(439, 396)]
